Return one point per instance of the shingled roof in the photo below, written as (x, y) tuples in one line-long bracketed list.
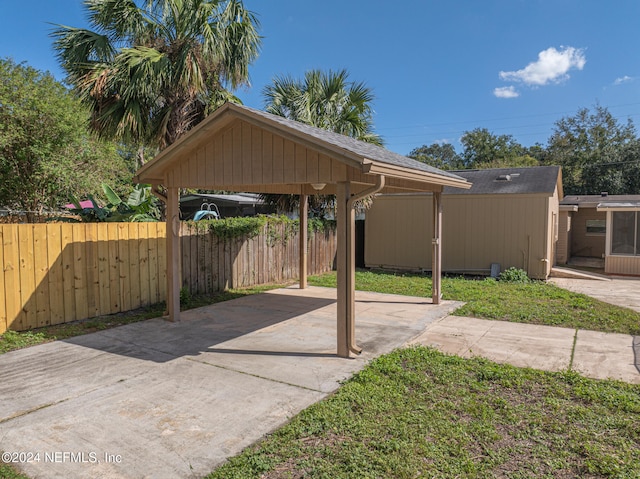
[(511, 181), (357, 147), (592, 201), (363, 157)]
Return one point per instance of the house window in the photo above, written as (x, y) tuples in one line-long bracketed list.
[(625, 234), (596, 227)]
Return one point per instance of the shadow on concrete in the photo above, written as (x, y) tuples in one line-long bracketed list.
[(202, 329)]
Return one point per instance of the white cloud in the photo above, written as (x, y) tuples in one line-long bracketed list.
[(624, 79), (552, 66), (506, 92)]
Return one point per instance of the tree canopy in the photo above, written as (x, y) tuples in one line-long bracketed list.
[(150, 73), (46, 152), (597, 153), (481, 149), (438, 155)]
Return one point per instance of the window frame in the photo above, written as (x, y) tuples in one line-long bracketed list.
[(600, 225), (636, 233)]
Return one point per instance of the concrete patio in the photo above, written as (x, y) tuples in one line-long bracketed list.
[(164, 400)]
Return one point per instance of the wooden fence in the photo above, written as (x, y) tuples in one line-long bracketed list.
[(211, 264), (60, 272)]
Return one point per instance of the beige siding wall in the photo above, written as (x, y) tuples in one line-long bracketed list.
[(243, 154), (398, 232), (564, 237), (622, 265), (477, 230), (583, 244), (552, 231)]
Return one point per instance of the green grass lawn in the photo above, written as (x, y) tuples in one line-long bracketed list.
[(535, 303), (8, 472), (419, 413)]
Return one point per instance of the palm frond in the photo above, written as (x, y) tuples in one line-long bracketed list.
[(79, 49), (121, 18), (149, 72), (324, 99), (237, 32)]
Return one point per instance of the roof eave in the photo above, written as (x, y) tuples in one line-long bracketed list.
[(154, 171), (620, 206), (379, 168)]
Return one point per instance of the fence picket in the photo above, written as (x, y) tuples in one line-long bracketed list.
[(11, 275), (143, 259), (134, 265), (104, 283), (93, 277), (68, 280), (41, 271), (54, 276), (80, 283), (3, 302), (57, 273), (27, 280)]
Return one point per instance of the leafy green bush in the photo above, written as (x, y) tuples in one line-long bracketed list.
[(514, 275), (185, 296), (140, 206), (233, 227), (251, 226)]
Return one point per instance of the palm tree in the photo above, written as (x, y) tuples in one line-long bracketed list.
[(326, 100), (150, 73)]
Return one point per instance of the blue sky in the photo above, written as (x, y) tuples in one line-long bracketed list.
[(437, 68)]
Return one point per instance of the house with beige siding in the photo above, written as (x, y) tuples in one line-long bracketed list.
[(509, 217), (602, 228)]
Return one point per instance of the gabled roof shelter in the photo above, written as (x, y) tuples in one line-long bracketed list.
[(242, 149)]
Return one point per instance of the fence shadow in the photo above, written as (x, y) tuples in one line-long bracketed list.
[(61, 272), (57, 273), (206, 329)]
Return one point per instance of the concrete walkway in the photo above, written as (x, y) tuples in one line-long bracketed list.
[(593, 354), (173, 400), (620, 291)]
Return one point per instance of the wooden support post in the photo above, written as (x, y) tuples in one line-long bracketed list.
[(343, 287), (173, 255), (351, 280), (304, 214), (351, 260), (436, 270)]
